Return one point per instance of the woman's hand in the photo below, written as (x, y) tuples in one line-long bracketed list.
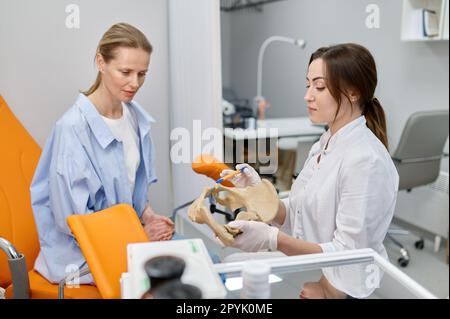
[(249, 177), (321, 290), (157, 227), (312, 290), (255, 236)]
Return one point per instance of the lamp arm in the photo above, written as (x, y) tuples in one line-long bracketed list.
[(299, 42)]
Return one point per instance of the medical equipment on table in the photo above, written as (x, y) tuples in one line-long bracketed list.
[(175, 289), (199, 269), (255, 279), (161, 269), (237, 113)]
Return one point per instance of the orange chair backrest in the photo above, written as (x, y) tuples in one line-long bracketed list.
[(103, 238), (18, 160), (208, 165)]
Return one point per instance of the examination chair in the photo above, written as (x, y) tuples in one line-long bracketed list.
[(418, 160), (18, 234), (103, 237)]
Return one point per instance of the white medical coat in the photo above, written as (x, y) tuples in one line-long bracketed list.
[(345, 202)]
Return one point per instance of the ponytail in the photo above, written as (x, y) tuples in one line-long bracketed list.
[(376, 120), (94, 86)]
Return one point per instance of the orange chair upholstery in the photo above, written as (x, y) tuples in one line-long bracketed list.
[(40, 288), (20, 155), (208, 165), (103, 238)]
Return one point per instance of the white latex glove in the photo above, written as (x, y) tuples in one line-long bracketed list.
[(255, 236), (249, 177)]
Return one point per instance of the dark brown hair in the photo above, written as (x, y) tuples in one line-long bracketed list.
[(119, 35), (351, 66)]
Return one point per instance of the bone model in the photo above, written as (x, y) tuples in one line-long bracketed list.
[(260, 203)]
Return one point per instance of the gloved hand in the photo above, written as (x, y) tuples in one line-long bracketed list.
[(255, 236), (249, 177)]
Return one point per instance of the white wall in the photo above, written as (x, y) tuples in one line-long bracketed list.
[(225, 33), (413, 76), (43, 65), (195, 82)]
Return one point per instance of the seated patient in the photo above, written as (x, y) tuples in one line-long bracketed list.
[(99, 154)]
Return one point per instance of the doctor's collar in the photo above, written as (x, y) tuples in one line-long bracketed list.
[(341, 133)]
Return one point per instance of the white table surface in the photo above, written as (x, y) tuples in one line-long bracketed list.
[(284, 127)]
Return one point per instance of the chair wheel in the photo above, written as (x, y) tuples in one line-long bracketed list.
[(403, 262), (419, 244)]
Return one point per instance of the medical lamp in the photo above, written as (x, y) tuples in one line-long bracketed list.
[(259, 100)]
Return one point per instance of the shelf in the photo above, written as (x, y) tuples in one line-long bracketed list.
[(445, 24), (412, 20), (234, 5)]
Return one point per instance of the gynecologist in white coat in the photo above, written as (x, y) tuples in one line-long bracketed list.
[(345, 195)]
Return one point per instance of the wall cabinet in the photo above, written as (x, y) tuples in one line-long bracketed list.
[(421, 17)]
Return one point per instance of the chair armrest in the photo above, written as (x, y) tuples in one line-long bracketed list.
[(18, 269), (9, 249), (68, 278)]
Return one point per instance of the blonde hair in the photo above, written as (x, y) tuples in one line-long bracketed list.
[(119, 35)]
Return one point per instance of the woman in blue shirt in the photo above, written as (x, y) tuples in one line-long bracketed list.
[(99, 154)]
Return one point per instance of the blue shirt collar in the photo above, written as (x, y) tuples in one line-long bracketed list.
[(144, 120), (98, 126)]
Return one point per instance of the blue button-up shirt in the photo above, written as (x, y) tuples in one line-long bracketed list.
[(82, 170)]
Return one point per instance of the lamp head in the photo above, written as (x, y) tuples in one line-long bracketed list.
[(300, 43)]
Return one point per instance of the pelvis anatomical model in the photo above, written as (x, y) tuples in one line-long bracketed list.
[(260, 203)]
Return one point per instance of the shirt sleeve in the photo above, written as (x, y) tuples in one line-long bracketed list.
[(73, 184), (152, 178), (286, 226)]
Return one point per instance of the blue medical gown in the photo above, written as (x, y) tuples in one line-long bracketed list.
[(82, 170)]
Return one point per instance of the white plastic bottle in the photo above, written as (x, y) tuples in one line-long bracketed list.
[(255, 280)]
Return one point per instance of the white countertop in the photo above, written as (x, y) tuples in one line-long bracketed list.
[(277, 127)]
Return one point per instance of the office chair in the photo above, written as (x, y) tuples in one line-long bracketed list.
[(103, 238), (18, 234), (418, 160)]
